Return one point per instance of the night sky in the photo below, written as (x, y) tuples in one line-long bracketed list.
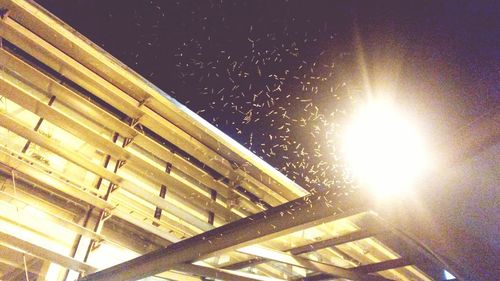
[(281, 76)]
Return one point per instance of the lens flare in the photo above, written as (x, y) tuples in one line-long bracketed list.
[(384, 150)]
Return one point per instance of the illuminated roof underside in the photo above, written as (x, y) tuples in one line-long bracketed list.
[(98, 166)]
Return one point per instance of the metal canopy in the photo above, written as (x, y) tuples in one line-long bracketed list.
[(301, 213), (100, 171)]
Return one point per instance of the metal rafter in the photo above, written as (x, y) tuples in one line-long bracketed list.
[(43, 253), (13, 125), (138, 110), (287, 218), (66, 39), (21, 96), (368, 268), (311, 247), (65, 51), (181, 168)]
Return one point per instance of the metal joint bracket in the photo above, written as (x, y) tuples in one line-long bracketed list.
[(144, 101), (127, 142), (95, 245), (136, 121), (106, 215), (121, 163), (168, 168), (114, 187)]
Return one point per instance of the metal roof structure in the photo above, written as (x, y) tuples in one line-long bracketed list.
[(99, 167)]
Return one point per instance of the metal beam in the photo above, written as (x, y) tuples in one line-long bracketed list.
[(38, 124), (13, 125), (16, 127), (56, 219), (31, 268), (41, 140), (165, 235), (78, 73), (368, 268), (285, 258), (245, 263), (209, 272), (19, 93), (13, 242), (48, 178), (287, 218), (94, 221), (384, 265), (38, 175), (14, 258), (181, 167), (216, 273), (64, 38), (353, 236)]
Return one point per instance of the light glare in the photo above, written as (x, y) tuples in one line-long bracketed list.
[(383, 150)]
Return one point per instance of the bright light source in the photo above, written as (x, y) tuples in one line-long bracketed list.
[(383, 149), (448, 276)]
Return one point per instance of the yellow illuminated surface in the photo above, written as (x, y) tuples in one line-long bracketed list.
[(375, 124), (380, 142)]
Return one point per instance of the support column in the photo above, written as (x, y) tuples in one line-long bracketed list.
[(94, 218), (163, 193), (103, 215), (38, 124), (211, 215)]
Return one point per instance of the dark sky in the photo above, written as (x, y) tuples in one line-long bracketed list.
[(280, 76)]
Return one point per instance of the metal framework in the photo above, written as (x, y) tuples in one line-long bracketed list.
[(105, 177)]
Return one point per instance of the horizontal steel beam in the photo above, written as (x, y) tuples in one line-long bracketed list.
[(15, 258), (78, 73), (18, 93), (302, 262), (69, 41), (181, 167), (384, 265), (216, 273), (31, 268), (13, 91), (14, 242), (311, 247), (43, 141), (368, 268), (209, 272), (350, 237), (33, 172), (58, 220), (287, 218)]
